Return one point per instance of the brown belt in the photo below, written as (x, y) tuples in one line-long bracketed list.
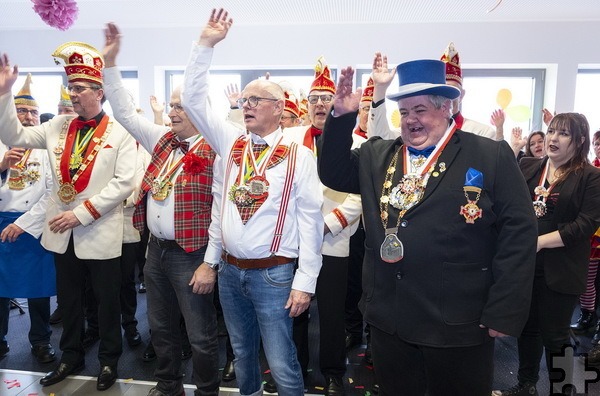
[(266, 262), (165, 243)]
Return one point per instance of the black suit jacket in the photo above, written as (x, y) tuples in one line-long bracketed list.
[(576, 217), (454, 276)]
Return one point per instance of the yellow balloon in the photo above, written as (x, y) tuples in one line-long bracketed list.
[(520, 113), (503, 98), (395, 118)]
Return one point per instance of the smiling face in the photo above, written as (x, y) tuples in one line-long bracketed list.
[(180, 123), (263, 118), (536, 144), (423, 124), (318, 112)]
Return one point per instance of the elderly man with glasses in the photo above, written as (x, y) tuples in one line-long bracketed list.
[(175, 202), (93, 175), (269, 217)]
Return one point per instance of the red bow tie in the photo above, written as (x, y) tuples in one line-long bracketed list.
[(314, 131), (177, 144), (79, 124)]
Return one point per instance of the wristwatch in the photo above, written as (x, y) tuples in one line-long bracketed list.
[(214, 266)]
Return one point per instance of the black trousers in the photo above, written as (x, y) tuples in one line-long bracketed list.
[(105, 278), (353, 316), (127, 296), (547, 328), (331, 299), (405, 369)]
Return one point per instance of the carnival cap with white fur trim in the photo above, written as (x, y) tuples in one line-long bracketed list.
[(423, 77)]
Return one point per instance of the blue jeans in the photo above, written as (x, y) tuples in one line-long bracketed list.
[(167, 273), (253, 304)]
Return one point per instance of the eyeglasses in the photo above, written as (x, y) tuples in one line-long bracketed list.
[(176, 107), (253, 101), (288, 117), (22, 111), (78, 88), (366, 109), (313, 99), (564, 134)]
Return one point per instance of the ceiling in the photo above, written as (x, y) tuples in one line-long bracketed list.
[(19, 15)]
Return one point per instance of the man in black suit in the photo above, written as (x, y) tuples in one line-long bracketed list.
[(450, 237)]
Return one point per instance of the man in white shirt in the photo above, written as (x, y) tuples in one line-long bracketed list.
[(270, 217)]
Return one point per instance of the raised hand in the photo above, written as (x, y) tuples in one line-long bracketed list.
[(547, 116), (157, 108), (517, 142), (382, 76), (345, 100), (232, 91), (8, 74), (216, 28), (497, 118), (112, 44)]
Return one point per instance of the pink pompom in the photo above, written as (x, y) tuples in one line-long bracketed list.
[(57, 13)]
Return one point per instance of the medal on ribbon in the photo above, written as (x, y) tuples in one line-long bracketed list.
[(66, 192), (542, 193), (473, 185)]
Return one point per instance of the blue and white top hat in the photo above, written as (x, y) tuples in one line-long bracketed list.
[(423, 77)]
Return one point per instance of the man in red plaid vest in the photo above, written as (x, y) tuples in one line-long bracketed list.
[(175, 201)]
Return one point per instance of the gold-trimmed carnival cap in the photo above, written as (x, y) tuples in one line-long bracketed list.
[(322, 81), (24, 96), (367, 95), (82, 62), (65, 99), (303, 107), (452, 61), (291, 104)]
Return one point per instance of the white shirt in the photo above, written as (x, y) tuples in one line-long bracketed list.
[(303, 229), (33, 199)]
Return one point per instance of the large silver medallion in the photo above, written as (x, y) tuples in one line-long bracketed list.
[(539, 207), (391, 250)]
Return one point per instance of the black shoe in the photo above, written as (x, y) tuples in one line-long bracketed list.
[(44, 353), (186, 354), (56, 317), (133, 337), (375, 389), (596, 337), (154, 391), (90, 337), (270, 386), (526, 389), (4, 349), (352, 341), (149, 353), (587, 321), (106, 379), (334, 386), (61, 372), (228, 372), (142, 288)]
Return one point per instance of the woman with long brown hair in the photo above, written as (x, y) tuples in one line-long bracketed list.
[(565, 190)]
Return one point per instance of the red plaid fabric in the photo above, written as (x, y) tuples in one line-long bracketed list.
[(193, 195)]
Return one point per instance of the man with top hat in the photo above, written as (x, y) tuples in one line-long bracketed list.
[(26, 268), (450, 237), (175, 202), (341, 213), (269, 217), (93, 174)]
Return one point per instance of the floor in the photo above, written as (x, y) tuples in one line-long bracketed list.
[(20, 372)]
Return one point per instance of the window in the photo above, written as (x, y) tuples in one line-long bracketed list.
[(482, 89), (586, 96), (45, 88), (300, 79)]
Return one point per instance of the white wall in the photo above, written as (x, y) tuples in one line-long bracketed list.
[(562, 46)]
